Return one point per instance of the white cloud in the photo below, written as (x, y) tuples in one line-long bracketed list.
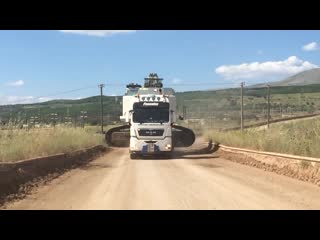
[(176, 81), (260, 52), (68, 98), (97, 33), (4, 100), (17, 83), (43, 99), (313, 46), (270, 71)]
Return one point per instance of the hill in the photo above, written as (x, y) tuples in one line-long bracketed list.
[(66, 110), (221, 105), (304, 78)]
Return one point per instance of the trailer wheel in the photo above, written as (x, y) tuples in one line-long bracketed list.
[(133, 156)]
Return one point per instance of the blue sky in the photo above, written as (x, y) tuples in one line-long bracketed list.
[(44, 63)]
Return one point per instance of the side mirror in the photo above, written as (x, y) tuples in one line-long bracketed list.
[(180, 117)]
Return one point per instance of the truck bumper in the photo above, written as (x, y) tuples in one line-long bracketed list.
[(147, 146)]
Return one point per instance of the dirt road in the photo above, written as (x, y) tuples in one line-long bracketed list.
[(184, 182)]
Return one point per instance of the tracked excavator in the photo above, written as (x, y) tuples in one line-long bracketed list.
[(149, 116)]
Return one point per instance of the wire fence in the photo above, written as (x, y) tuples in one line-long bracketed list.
[(222, 109), (216, 109)]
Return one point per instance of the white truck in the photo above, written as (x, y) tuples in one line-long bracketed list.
[(149, 114)]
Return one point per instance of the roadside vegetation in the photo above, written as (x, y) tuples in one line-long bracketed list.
[(298, 138), (23, 144), (221, 107)]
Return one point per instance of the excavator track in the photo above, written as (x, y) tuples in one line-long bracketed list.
[(182, 137), (118, 136)]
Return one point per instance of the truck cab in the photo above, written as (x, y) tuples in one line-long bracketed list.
[(150, 131)]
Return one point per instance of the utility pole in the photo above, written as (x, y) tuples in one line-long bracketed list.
[(39, 116), (212, 116), (184, 112), (268, 116), (242, 83), (54, 118), (108, 118), (101, 101), (83, 116), (68, 119), (75, 121)]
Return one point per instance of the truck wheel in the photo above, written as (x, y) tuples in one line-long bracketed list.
[(133, 156)]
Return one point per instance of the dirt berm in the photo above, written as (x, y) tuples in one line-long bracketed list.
[(302, 170), (15, 174)]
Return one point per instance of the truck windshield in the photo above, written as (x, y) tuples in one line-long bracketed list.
[(150, 115)]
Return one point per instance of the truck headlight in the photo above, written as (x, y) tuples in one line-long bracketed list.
[(168, 146)]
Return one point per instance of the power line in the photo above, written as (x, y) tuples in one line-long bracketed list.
[(69, 91), (116, 85)]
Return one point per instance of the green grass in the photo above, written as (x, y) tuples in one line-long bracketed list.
[(220, 104), (21, 144), (298, 138)]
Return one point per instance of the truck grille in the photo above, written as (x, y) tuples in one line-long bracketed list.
[(151, 132)]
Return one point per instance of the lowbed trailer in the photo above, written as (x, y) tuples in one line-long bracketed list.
[(150, 127)]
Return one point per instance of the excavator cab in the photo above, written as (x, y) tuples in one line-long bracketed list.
[(153, 81)]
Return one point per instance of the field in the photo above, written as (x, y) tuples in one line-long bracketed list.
[(219, 108), (203, 111), (299, 137), (22, 144)]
